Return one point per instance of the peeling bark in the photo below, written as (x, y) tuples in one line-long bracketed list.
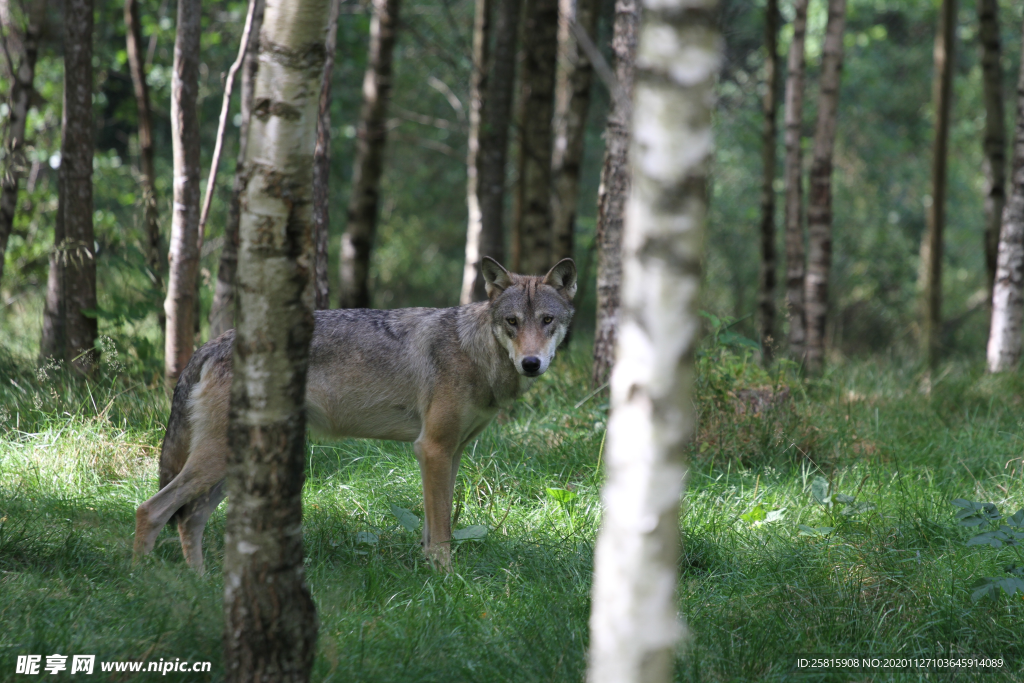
[(270, 624), (795, 265), (766, 290), (1004, 341), (322, 165), (614, 190), (819, 205), (222, 310), (179, 306), (995, 132), (371, 136), (634, 624)]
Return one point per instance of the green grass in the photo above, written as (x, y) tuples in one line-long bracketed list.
[(76, 459)]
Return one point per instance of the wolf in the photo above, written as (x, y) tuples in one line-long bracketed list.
[(432, 376)]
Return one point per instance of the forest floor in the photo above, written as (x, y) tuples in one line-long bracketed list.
[(771, 571)]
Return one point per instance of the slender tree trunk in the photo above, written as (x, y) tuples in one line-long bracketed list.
[(223, 308), (995, 132), (819, 206), (20, 93), (633, 623), (322, 165), (53, 342), (614, 190), (490, 116), (572, 101), (151, 215), (270, 623), (79, 262), (795, 267), (766, 294), (184, 252), (931, 245), (1004, 341), (540, 46), (371, 136)]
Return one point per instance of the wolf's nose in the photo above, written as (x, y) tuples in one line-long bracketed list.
[(531, 364)]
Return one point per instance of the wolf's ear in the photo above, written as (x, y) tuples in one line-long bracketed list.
[(563, 278), (496, 278)]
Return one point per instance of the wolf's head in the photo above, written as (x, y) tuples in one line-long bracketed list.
[(529, 314)]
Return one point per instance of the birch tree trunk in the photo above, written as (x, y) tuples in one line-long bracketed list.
[(766, 291), (78, 262), (634, 624), (179, 306), (222, 310), (369, 164), (795, 266), (614, 190), (572, 101), (490, 116), (151, 215), (819, 205), (1004, 341), (322, 166), (53, 341), (21, 89), (931, 245), (532, 236), (270, 623), (995, 132)]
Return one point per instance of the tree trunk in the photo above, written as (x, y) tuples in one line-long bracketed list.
[(766, 294), (634, 624), (53, 342), (532, 239), (931, 245), (222, 310), (995, 132), (371, 136), (614, 190), (79, 262), (572, 101), (1004, 341), (151, 215), (819, 205), (795, 266), (20, 93), (270, 623), (322, 166), (489, 117), (184, 253)]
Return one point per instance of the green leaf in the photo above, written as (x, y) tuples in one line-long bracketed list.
[(410, 521), (774, 515), (857, 508), (755, 515), (983, 588), (477, 532), (819, 490), (730, 338), (987, 538), (843, 498), (561, 495), (814, 531), (366, 538), (1017, 520)]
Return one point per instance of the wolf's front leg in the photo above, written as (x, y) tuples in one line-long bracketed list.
[(438, 462)]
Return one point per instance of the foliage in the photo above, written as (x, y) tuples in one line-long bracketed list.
[(1003, 533)]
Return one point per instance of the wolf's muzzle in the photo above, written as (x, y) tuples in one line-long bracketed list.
[(531, 366)]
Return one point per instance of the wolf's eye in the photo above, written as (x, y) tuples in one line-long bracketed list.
[(512, 321), (548, 319)]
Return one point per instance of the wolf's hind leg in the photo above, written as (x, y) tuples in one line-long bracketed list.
[(192, 521)]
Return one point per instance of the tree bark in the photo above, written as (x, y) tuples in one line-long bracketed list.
[(151, 215), (795, 265), (490, 114), (270, 620), (79, 262), (1004, 341), (614, 190), (819, 206), (53, 342), (222, 310), (634, 624), (766, 293), (572, 101), (322, 166), (369, 164), (21, 86), (532, 236), (931, 245), (995, 132), (179, 306)]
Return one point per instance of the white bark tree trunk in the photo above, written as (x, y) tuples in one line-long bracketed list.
[(1004, 341), (796, 266), (634, 625), (270, 621)]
